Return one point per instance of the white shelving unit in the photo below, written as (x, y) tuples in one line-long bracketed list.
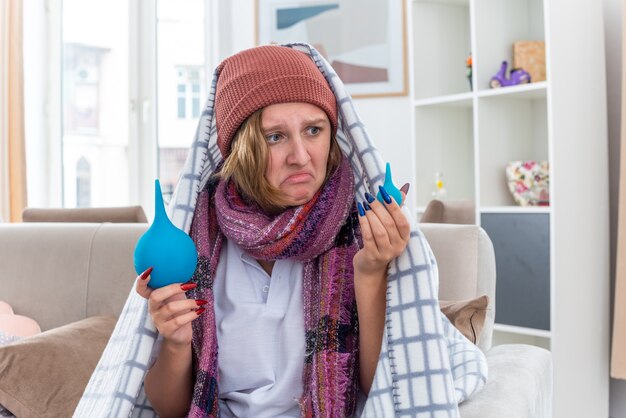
[(553, 272)]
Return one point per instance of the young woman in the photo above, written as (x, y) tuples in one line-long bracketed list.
[(285, 313)]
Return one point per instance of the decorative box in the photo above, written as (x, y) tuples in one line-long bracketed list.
[(531, 56)]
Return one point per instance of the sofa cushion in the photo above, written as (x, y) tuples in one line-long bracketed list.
[(45, 375), (468, 316), (519, 384)]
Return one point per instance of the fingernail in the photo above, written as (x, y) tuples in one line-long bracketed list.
[(201, 302), (369, 197), (199, 311), (367, 206), (405, 188), (361, 210), (384, 194), (188, 286), (146, 273)]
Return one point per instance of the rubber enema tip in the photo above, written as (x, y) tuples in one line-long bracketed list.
[(390, 188)]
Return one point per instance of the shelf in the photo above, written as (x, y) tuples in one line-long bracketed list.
[(525, 91), (522, 330), (498, 24), (452, 100), (471, 134), (515, 209), (448, 2), (445, 145), (509, 129), (442, 42)]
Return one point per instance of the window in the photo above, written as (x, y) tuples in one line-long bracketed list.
[(82, 87), (181, 83), (95, 103), (83, 183), (132, 77), (188, 89), (182, 101)]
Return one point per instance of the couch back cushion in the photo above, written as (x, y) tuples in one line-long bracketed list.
[(57, 273)]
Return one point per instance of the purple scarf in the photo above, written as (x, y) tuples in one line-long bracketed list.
[(324, 235)]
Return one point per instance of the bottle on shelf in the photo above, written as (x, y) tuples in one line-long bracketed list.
[(439, 191), (469, 66)]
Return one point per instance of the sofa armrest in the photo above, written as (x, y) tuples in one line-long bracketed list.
[(519, 384), (467, 267)]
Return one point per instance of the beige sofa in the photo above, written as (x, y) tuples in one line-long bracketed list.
[(58, 273)]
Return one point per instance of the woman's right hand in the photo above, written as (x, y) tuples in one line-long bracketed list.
[(170, 309)]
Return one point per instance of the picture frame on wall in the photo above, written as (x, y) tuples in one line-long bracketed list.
[(363, 40)]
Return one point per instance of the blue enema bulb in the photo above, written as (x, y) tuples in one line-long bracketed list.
[(170, 251), (390, 188)]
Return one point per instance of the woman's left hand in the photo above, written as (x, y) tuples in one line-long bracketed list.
[(385, 231)]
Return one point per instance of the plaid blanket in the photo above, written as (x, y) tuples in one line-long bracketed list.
[(426, 367)]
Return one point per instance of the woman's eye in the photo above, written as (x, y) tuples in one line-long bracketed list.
[(314, 130), (273, 138)]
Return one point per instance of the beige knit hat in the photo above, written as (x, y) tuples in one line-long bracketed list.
[(258, 77)]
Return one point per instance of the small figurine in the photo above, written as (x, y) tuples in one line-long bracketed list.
[(517, 76), (468, 64)]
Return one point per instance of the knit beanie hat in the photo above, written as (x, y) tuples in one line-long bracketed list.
[(258, 77)]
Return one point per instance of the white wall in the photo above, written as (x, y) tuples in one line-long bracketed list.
[(613, 13)]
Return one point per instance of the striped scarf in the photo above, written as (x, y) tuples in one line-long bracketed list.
[(323, 234)]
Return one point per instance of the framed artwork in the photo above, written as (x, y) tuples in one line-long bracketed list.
[(364, 40)]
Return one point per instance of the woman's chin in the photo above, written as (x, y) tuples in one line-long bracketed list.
[(298, 199)]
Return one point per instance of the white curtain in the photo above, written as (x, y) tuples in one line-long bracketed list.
[(12, 144), (618, 357)]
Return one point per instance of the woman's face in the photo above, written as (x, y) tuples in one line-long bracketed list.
[(298, 136)]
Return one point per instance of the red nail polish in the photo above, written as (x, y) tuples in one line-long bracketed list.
[(146, 273), (199, 311), (188, 286), (201, 302)]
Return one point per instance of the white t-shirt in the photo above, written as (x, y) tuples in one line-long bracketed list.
[(260, 335)]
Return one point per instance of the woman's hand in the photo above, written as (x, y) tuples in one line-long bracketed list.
[(385, 231), (170, 309)]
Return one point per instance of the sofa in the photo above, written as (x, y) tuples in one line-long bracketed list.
[(121, 214), (73, 279)]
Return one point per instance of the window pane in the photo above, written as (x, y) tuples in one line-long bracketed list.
[(179, 23), (95, 103), (195, 107), (181, 108)]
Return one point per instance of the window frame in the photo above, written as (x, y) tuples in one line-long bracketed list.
[(143, 164)]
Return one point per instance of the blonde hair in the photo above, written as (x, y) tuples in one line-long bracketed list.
[(247, 163)]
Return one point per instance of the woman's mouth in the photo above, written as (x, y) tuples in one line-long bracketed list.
[(298, 178)]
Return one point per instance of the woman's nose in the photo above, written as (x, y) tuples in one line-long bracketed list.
[(298, 153)]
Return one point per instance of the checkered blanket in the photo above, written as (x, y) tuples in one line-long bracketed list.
[(426, 367)]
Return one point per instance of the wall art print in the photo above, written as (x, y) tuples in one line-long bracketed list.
[(364, 40)]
